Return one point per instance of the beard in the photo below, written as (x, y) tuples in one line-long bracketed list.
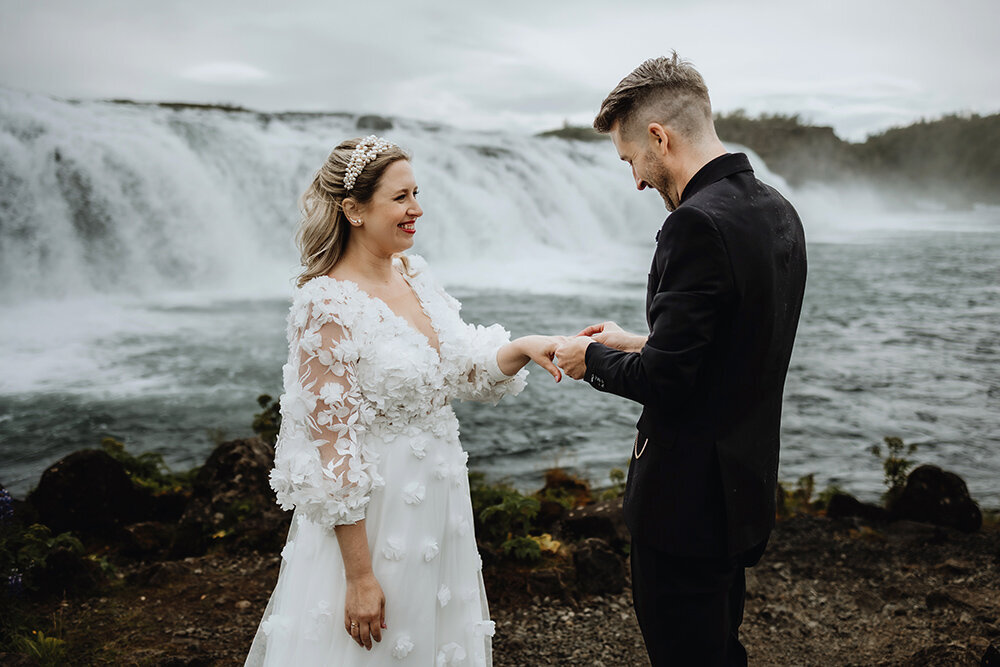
[(661, 181)]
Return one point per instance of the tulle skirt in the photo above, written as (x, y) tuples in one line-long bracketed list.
[(424, 555)]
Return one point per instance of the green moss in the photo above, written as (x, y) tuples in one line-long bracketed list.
[(148, 469)]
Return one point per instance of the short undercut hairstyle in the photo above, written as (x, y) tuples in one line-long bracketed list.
[(665, 90)]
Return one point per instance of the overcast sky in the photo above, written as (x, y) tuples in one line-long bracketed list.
[(859, 65)]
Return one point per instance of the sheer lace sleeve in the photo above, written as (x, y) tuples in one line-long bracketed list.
[(322, 463), (479, 376)]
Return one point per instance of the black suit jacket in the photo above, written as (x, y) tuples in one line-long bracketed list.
[(723, 301)]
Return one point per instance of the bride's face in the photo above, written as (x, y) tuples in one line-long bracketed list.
[(389, 218)]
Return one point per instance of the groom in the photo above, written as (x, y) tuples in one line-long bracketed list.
[(722, 303)]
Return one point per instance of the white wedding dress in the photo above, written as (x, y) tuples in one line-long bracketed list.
[(367, 432)]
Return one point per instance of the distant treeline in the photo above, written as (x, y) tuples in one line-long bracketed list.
[(954, 159)]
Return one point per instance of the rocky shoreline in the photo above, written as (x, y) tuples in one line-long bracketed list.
[(174, 571)]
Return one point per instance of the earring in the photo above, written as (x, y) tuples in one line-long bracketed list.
[(357, 223)]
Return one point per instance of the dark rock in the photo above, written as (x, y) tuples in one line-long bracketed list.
[(939, 497), (168, 506), (991, 657), (546, 583), (549, 512), (232, 503), (68, 571), (561, 484), (602, 519), (188, 653), (868, 602), (939, 599), (942, 655), (842, 506), (954, 566), (146, 538), (915, 534), (599, 570), (158, 574), (89, 493), (373, 122)]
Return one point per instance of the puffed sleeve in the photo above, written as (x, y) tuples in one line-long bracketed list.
[(323, 463)]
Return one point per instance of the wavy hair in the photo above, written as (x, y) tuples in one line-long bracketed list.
[(324, 228)]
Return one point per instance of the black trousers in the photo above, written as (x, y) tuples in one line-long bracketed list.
[(690, 609)]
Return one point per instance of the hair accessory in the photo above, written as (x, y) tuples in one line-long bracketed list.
[(364, 152)]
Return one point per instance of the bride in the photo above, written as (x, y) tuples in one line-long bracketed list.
[(380, 563)]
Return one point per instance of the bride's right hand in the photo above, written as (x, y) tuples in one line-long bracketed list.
[(364, 605), (541, 350)]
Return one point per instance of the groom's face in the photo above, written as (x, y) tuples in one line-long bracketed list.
[(648, 169)]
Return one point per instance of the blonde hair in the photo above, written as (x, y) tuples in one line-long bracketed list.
[(665, 90), (324, 229)]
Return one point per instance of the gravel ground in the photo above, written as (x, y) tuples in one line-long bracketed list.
[(826, 592), (599, 631)]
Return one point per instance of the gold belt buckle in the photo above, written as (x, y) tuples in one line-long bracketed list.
[(636, 452)]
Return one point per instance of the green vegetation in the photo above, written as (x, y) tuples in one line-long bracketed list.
[(617, 488), (895, 466), (148, 470), (267, 422), (33, 560), (30, 556), (177, 106), (798, 498), (522, 548), (568, 491), (504, 518), (500, 509), (44, 650), (512, 524), (953, 159), (29, 550), (575, 133), (957, 155), (796, 151)]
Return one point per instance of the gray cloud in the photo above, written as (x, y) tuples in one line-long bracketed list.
[(857, 65)]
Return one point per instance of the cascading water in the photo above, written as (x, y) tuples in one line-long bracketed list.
[(105, 197), (146, 257)]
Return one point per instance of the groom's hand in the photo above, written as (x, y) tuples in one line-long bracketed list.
[(612, 335), (571, 356)]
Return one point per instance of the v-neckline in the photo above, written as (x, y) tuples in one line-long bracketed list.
[(393, 313)]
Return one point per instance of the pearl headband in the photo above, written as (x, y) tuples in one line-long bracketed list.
[(364, 152)]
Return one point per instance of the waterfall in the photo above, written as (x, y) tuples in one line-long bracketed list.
[(103, 197), (120, 198)]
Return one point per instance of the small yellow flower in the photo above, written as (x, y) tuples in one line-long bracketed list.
[(546, 543)]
